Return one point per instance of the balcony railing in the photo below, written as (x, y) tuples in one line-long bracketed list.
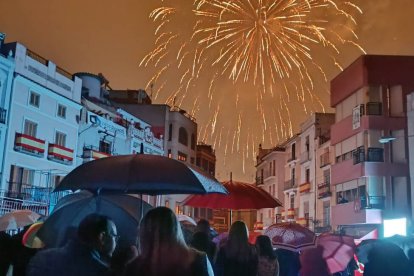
[(290, 184), (3, 115), (29, 144), (259, 180), (12, 204), (92, 154), (305, 187), (324, 158), (60, 154), (324, 190), (33, 193)]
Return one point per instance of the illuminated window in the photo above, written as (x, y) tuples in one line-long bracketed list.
[(182, 156), (169, 154)]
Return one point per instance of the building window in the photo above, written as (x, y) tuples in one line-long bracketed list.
[(30, 128), (170, 130), (293, 151), (183, 136), (60, 139), (20, 179), (292, 202), (182, 156), (169, 154), (61, 112), (105, 147), (307, 175), (34, 99), (326, 213), (167, 203), (193, 141)]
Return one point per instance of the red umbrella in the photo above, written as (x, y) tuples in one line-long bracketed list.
[(291, 236), (338, 250), (241, 196)]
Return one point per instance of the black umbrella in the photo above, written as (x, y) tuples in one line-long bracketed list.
[(142, 174), (123, 209)]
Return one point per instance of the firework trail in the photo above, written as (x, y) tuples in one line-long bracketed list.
[(260, 58)]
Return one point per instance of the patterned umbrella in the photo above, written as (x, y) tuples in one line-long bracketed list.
[(291, 236), (17, 219), (30, 238), (338, 250)]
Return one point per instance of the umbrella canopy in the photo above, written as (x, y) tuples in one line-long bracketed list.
[(338, 250), (140, 174), (62, 224), (290, 236), (186, 219), (30, 238), (382, 258), (240, 196), (17, 219)]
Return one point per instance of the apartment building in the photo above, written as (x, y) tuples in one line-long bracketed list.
[(371, 168), (270, 175), (42, 129)]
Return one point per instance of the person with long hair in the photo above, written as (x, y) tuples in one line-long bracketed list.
[(268, 264), (163, 251), (237, 256)]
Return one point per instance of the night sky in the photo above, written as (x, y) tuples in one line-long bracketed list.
[(112, 37)]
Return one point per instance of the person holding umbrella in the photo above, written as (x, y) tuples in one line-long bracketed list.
[(88, 255)]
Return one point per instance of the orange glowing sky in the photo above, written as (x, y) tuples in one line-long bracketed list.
[(113, 36)]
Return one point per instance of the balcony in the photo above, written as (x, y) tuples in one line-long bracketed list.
[(29, 145), (3, 115), (324, 160), (292, 213), (259, 180), (28, 192), (304, 188), (91, 154), (324, 190), (290, 184), (349, 213), (60, 154), (302, 221)]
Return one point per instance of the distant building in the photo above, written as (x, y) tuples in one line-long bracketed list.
[(270, 176), (178, 130), (370, 139)]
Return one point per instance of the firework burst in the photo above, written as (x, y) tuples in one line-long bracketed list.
[(210, 56)]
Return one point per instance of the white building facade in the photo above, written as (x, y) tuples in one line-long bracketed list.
[(42, 133)]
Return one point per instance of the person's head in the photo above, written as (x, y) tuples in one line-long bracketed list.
[(99, 232), (237, 244), (203, 226), (264, 246), (159, 229)]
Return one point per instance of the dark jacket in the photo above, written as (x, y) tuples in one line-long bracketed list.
[(228, 267), (74, 258)]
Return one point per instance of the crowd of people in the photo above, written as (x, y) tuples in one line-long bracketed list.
[(162, 250)]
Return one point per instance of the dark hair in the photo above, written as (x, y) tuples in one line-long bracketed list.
[(264, 247), (91, 226), (159, 229), (237, 245), (203, 226)]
